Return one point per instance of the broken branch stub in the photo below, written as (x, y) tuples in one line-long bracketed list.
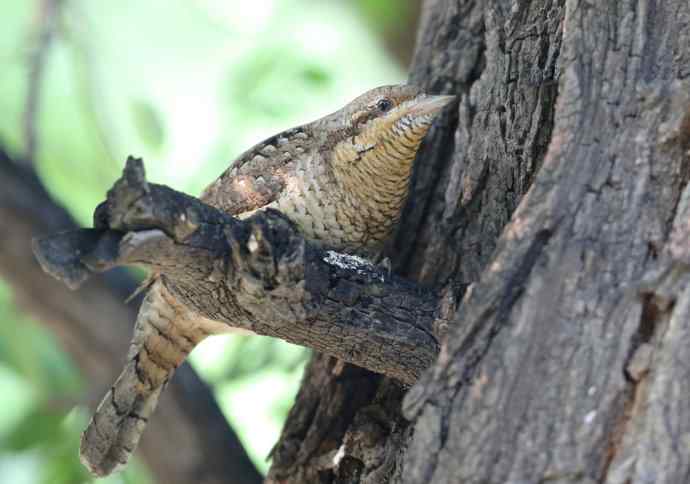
[(258, 274)]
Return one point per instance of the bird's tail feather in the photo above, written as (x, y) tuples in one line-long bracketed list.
[(162, 340)]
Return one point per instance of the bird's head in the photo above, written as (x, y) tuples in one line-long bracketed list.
[(381, 130)]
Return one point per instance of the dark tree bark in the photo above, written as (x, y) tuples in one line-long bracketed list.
[(552, 209), (190, 440)]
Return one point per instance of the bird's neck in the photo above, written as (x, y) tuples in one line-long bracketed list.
[(375, 175)]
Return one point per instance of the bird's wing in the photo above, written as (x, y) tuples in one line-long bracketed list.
[(259, 175)]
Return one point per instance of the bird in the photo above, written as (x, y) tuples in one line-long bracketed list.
[(342, 179)]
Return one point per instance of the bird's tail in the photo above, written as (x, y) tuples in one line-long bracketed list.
[(163, 337)]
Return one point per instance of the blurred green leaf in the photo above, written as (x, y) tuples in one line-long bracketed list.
[(61, 465), (149, 123), (14, 48), (37, 358), (385, 14), (316, 75), (236, 357), (18, 398), (38, 428), (254, 354)]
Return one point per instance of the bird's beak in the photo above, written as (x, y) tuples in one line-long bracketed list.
[(430, 105)]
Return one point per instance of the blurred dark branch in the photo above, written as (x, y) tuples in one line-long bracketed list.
[(46, 22), (189, 440)]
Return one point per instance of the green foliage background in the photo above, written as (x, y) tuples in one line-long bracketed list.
[(188, 85)]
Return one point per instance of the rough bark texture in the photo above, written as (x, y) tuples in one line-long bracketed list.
[(257, 274), (552, 193), (189, 441)]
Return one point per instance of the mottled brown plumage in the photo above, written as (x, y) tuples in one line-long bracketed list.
[(342, 179)]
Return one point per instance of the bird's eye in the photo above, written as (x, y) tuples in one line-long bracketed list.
[(384, 105)]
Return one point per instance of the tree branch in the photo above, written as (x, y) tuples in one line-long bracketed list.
[(190, 440), (257, 274)]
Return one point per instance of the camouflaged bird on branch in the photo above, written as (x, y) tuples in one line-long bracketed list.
[(341, 181)]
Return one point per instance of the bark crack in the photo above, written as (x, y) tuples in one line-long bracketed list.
[(655, 313)]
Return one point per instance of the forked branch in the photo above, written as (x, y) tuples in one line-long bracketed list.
[(257, 274)]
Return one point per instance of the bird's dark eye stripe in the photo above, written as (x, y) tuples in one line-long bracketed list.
[(384, 104)]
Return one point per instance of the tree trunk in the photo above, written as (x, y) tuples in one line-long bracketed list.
[(551, 208)]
